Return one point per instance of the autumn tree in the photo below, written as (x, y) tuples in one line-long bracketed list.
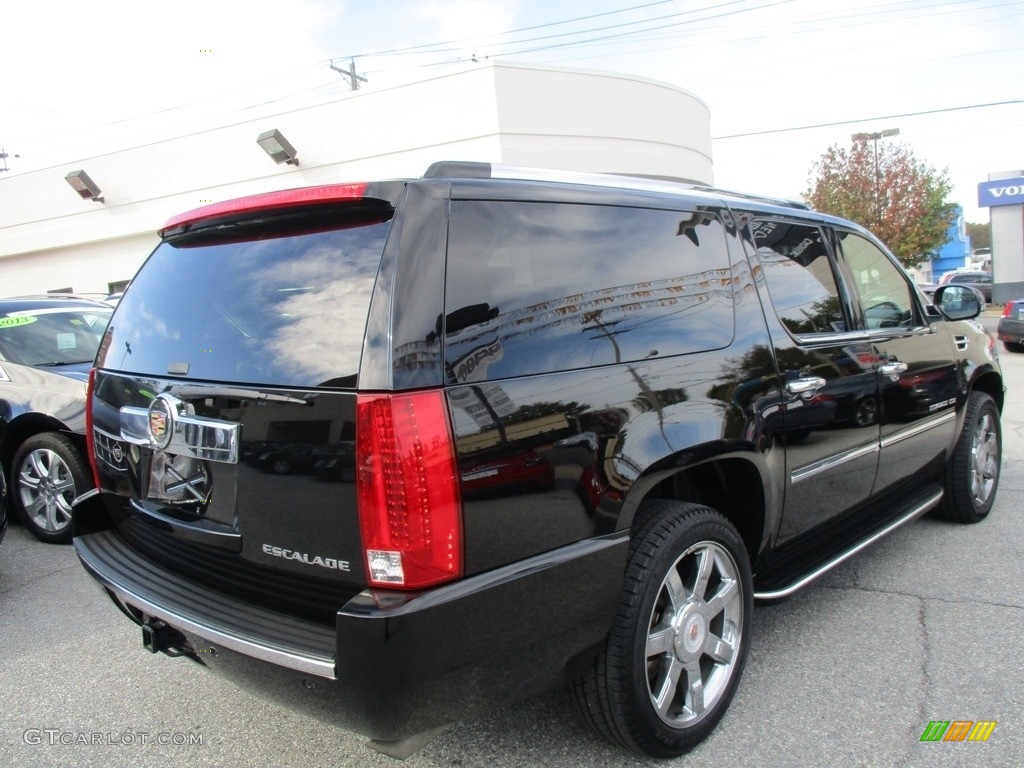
[(884, 187), (980, 234)]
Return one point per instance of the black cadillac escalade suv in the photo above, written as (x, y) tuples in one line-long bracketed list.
[(577, 425)]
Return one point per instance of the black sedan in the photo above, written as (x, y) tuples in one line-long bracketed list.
[(1010, 330), (47, 346)]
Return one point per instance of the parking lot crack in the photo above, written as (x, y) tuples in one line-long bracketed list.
[(11, 588), (946, 600)]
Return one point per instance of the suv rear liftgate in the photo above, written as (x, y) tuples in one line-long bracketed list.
[(222, 368)]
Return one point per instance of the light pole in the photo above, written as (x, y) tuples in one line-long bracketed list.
[(873, 138)]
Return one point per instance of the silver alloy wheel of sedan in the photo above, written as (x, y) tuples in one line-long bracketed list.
[(695, 633), (47, 474), (47, 490)]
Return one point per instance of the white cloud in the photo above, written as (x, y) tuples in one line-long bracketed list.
[(465, 20), (111, 61)]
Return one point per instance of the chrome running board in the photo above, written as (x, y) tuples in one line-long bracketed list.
[(913, 514)]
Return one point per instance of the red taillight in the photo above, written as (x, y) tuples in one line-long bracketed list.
[(90, 436), (1007, 307), (410, 506), (271, 201)]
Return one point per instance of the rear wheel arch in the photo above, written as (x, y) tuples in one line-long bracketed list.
[(733, 485)]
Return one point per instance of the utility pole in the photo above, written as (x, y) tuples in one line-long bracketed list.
[(353, 78), (3, 157)]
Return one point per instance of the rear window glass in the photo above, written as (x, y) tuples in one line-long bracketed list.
[(52, 336), (284, 310), (540, 287)]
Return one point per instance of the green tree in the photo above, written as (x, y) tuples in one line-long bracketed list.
[(884, 187), (980, 234)]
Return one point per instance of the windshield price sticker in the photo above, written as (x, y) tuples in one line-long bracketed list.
[(13, 322)]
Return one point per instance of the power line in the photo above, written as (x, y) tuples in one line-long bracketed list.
[(866, 119), (845, 19), (634, 32), (419, 48), (827, 20)]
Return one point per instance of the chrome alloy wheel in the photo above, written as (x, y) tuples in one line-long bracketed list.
[(694, 635), (47, 489), (984, 468)]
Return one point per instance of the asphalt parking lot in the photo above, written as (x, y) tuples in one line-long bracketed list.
[(927, 625)]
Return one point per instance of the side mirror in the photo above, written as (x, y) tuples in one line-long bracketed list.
[(958, 302)]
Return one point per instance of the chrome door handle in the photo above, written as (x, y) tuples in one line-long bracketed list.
[(805, 387), (892, 369)]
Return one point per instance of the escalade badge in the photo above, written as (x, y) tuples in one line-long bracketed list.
[(161, 420)]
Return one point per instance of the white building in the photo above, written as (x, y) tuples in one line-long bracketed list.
[(52, 239)]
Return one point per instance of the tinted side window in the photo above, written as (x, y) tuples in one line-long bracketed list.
[(882, 289), (539, 287), (799, 275)]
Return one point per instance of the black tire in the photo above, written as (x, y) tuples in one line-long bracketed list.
[(865, 413), (281, 466), (47, 475), (972, 474), (1013, 346), (676, 650)]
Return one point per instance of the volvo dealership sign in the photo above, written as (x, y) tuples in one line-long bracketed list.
[(1001, 192)]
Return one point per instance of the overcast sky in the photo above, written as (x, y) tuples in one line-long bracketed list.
[(81, 78)]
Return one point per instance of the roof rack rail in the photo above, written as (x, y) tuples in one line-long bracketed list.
[(783, 202), (481, 170)]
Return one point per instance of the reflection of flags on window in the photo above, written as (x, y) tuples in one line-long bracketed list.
[(473, 366), (481, 400)]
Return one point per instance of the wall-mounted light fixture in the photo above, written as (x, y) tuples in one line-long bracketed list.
[(84, 186), (277, 146)]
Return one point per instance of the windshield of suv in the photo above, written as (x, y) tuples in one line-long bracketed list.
[(287, 307), (52, 336)]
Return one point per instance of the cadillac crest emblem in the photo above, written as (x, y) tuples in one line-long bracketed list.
[(161, 420)]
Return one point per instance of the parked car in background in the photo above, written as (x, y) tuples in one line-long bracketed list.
[(47, 346), (1010, 330), (976, 279), (339, 467), (295, 459)]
